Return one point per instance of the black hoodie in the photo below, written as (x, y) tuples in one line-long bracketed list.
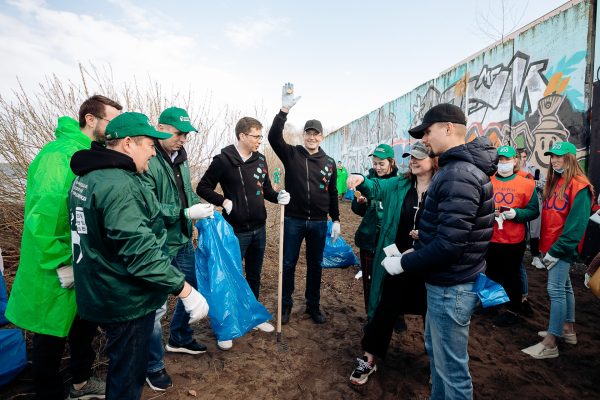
[(458, 218), (310, 178), (246, 184), (99, 157)]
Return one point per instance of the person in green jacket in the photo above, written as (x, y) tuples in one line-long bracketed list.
[(367, 234), (42, 297), (168, 176), (342, 176), (123, 271)]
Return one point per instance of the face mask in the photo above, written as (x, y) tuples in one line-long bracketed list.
[(559, 170), (505, 169)]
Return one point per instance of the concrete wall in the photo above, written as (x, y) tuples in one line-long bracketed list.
[(531, 90)]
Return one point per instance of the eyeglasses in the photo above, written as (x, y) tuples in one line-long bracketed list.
[(257, 137), (312, 133), (104, 119)]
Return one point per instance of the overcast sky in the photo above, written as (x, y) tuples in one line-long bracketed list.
[(345, 58)]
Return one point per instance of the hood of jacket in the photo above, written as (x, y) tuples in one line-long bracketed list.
[(232, 155), (479, 152), (99, 157), (69, 128)]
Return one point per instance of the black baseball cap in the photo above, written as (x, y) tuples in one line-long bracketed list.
[(313, 124), (444, 112)]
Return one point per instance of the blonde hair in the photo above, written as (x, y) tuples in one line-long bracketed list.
[(572, 170)]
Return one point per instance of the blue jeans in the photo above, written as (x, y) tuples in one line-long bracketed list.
[(449, 311), (127, 350), (524, 283), (252, 248), (296, 230), (181, 332), (562, 299)]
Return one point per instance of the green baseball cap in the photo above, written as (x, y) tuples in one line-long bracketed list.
[(132, 124), (562, 148), (383, 151), (178, 118), (507, 151)]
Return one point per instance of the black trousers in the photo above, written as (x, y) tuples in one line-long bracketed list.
[(401, 294), (47, 354), (366, 265), (503, 266)]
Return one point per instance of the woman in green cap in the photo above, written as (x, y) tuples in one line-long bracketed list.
[(567, 202)]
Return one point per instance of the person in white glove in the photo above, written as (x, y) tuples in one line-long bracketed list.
[(336, 231), (393, 265), (283, 198), (199, 211), (287, 97), (65, 276), (195, 304), (227, 206)]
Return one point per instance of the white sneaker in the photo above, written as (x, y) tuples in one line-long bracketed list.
[(224, 344), (265, 327), (536, 262)]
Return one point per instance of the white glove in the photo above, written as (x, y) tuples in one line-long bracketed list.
[(336, 231), (65, 276), (287, 96), (195, 304), (510, 214), (393, 265), (227, 206), (199, 211), (500, 220), (283, 198), (549, 261)]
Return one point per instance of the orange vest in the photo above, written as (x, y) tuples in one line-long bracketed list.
[(555, 212), (524, 174), (515, 193)]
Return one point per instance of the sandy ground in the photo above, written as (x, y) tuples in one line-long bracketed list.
[(318, 359)]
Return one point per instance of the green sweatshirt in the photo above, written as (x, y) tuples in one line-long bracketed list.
[(565, 247)]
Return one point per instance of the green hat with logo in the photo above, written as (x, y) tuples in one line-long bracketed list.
[(507, 151), (383, 151), (132, 124), (562, 148), (177, 118)]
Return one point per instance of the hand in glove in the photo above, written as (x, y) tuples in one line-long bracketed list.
[(195, 304), (283, 198), (336, 231), (549, 261), (227, 206), (65, 276), (287, 96), (500, 220), (199, 211), (393, 265), (510, 214)]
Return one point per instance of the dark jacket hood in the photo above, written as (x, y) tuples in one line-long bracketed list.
[(318, 154), (479, 152), (233, 156), (99, 157)]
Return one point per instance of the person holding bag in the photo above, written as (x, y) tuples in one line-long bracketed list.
[(566, 207)]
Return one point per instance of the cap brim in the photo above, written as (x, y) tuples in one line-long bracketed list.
[(185, 127), (419, 131), (555, 152), (158, 135), (419, 155)]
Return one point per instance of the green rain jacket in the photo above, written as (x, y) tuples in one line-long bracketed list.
[(342, 176), (160, 178), (37, 302), (391, 193), (122, 269)]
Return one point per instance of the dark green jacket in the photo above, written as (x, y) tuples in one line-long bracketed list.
[(122, 269), (160, 178), (391, 193)]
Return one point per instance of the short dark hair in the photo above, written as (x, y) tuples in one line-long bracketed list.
[(95, 106), (245, 124)]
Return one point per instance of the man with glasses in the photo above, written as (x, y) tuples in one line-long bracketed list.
[(168, 177), (310, 176), (243, 174), (43, 297)]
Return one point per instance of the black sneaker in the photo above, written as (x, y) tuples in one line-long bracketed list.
[(191, 348), (316, 315), (361, 373), (159, 380), (285, 315), (507, 318), (526, 309), (93, 389)]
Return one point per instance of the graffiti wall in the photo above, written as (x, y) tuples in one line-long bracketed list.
[(529, 91)]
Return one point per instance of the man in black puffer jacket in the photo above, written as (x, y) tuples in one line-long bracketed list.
[(454, 232)]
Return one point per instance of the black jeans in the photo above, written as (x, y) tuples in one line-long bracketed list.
[(252, 247), (47, 354), (127, 349), (366, 265), (503, 266)]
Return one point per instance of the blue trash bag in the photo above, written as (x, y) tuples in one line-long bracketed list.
[(3, 301), (338, 254), (490, 293), (12, 354), (349, 195), (233, 309)]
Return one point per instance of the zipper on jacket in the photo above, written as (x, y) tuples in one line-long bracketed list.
[(245, 196), (307, 186)]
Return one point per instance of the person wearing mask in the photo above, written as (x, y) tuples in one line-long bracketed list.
[(123, 271), (393, 296), (310, 176), (516, 203), (566, 207), (43, 296)]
